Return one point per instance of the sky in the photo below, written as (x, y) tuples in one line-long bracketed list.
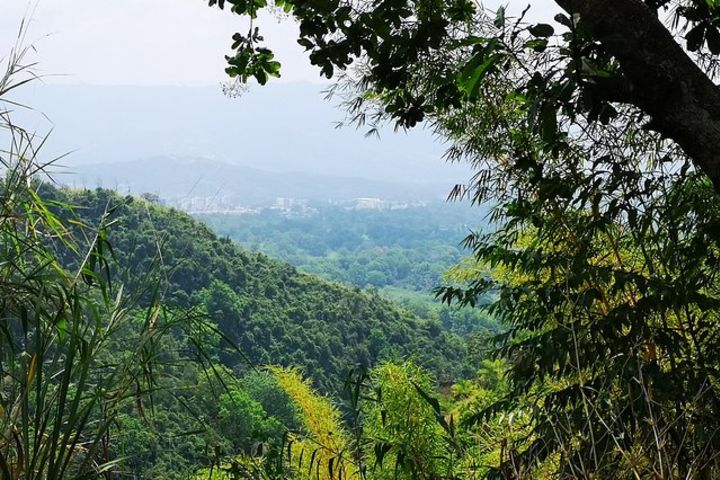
[(132, 79), (140, 42), (155, 42)]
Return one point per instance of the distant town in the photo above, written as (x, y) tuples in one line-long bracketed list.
[(282, 205)]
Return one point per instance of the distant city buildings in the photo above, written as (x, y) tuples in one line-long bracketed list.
[(369, 204), (215, 204), (365, 203), (231, 204)]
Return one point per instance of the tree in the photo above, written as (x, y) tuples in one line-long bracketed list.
[(598, 146), (244, 420)]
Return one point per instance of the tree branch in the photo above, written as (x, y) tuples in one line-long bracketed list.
[(666, 83)]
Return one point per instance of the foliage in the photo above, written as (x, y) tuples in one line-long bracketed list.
[(263, 387), (193, 414), (393, 427), (601, 231), (422, 58), (405, 247), (267, 310), (244, 421), (598, 147), (65, 384), (322, 449), (402, 252), (408, 441)]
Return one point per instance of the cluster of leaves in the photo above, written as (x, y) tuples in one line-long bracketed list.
[(390, 426), (423, 57), (702, 19), (251, 60), (604, 272), (386, 37)]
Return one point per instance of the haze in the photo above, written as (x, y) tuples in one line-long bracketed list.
[(138, 79)]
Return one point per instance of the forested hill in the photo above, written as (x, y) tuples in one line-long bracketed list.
[(274, 313)]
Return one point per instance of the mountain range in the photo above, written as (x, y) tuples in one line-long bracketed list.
[(218, 185), (281, 128)]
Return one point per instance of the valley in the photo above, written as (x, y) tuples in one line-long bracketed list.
[(360, 240), (259, 312)]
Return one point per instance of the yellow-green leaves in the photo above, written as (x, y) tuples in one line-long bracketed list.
[(322, 451)]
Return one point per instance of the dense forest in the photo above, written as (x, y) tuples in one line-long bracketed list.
[(254, 312), (270, 311), (409, 248), (266, 313), (403, 253)]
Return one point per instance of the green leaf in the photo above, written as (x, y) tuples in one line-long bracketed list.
[(563, 20), (500, 17), (380, 450), (470, 79), (695, 37), (62, 328), (538, 44), (542, 30), (712, 36), (548, 123)]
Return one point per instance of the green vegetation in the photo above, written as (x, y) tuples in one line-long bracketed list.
[(409, 248), (81, 357), (190, 318), (133, 338), (597, 141), (420, 59), (273, 313), (402, 253), (394, 428)]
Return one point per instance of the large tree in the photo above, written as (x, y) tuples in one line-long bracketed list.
[(596, 138)]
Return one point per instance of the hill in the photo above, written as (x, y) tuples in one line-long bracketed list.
[(283, 127), (272, 311)]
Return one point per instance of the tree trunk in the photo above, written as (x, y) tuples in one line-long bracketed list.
[(659, 77)]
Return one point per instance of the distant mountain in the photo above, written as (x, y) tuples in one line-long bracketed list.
[(182, 180), (280, 128)]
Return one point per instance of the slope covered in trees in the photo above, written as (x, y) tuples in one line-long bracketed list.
[(152, 333), (403, 252), (272, 312)]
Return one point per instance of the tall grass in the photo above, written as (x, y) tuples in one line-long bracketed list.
[(62, 386)]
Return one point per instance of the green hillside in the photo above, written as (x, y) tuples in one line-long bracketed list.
[(402, 252), (274, 313)]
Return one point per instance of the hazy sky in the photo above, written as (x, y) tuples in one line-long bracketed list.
[(153, 42)]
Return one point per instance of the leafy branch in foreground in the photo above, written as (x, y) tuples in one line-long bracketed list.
[(603, 266)]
